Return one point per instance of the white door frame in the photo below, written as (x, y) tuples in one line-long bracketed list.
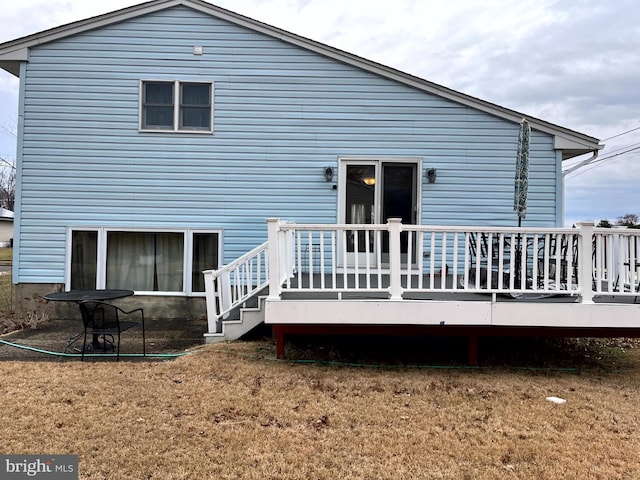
[(377, 161)]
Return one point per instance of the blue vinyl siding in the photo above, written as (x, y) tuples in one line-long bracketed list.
[(280, 114)]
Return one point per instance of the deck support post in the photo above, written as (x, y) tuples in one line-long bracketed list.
[(585, 271), (210, 294), (278, 333), (472, 350), (274, 258), (395, 287)]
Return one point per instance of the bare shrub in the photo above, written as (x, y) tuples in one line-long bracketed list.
[(12, 323)]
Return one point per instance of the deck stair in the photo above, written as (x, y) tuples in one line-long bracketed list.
[(240, 321), (236, 294)]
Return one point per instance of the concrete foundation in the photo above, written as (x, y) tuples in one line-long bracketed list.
[(29, 300)]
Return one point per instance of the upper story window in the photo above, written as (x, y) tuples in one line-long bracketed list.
[(176, 106)]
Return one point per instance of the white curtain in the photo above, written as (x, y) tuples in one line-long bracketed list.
[(130, 261), (145, 261), (169, 262)]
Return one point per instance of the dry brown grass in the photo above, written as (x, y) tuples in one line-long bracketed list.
[(6, 295), (9, 321), (230, 412)]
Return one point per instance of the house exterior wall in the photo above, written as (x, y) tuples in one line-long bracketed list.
[(281, 114), (6, 231)]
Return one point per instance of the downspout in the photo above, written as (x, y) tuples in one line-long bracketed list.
[(589, 160), (582, 164)]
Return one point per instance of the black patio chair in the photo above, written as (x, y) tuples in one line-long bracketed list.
[(479, 247), (558, 260), (103, 319)]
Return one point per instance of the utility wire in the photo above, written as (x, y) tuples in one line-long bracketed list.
[(6, 162), (637, 147), (621, 134), (597, 162), (573, 162)]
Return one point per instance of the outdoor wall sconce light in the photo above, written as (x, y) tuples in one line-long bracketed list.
[(328, 174), (431, 175)]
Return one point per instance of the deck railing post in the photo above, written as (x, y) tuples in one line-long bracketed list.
[(586, 262), (395, 267), (210, 294), (274, 258)]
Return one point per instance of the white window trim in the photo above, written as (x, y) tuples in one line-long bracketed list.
[(101, 275), (176, 107)]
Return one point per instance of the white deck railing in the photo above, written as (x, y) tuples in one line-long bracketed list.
[(233, 284), (616, 260), (400, 260)]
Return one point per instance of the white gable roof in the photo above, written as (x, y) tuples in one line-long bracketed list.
[(14, 52)]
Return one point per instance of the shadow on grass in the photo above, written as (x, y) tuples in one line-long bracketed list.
[(493, 352)]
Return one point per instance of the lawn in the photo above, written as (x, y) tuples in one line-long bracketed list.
[(230, 411), (6, 288), (6, 256)]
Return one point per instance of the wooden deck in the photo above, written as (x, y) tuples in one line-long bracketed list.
[(437, 280), (346, 311)]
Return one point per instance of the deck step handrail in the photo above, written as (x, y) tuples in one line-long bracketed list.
[(233, 284)]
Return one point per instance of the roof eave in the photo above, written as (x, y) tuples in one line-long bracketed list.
[(571, 148), (91, 23)]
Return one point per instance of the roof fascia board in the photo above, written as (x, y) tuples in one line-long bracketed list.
[(22, 44), (17, 55), (91, 23), (562, 143)]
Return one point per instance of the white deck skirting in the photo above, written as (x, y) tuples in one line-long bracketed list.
[(448, 313)]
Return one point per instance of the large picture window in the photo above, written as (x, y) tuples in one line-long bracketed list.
[(176, 106), (144, 261)]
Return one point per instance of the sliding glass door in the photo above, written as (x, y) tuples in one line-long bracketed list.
[(373, 192)]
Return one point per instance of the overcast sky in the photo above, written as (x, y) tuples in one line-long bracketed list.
[(573, 63)]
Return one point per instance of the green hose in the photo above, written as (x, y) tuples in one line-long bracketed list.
[(74, 355), (391, 367), (292, 361)]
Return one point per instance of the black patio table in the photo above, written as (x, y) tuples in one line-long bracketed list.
[(84, 295), (78, 296)]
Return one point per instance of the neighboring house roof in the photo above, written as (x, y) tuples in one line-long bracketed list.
[(6, 215), (14, 52)]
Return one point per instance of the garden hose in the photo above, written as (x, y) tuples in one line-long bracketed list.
[(75, 355)]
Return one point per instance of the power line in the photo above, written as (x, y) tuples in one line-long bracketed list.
[(636, 147), (591, 167), (597, 162), (2, 160), (621, 134), (615, 150), (612, 153)]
